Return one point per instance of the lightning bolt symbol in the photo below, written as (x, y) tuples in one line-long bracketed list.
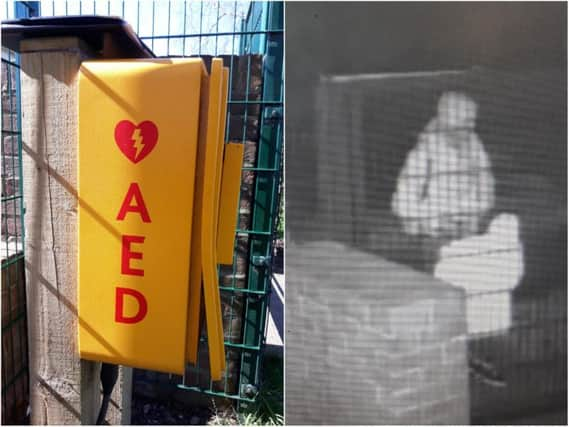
[(137, 142)]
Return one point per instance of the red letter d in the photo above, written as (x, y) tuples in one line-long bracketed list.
[(119, 303)]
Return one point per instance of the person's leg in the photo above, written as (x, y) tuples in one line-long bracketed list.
[(481, 366)]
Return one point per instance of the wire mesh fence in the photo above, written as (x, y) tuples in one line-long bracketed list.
[(249, 37), (425, 179), (15, 374)]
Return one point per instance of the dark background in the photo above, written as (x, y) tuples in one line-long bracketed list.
[(349, 38)]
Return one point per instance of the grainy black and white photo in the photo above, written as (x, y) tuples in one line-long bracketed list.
[(426, 213)]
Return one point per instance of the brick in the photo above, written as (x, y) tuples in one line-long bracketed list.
[(9, 121), (225, 274), (232, 315), (247, 189), (10, 166), (9, 145), (12, 227), (240, 84), (240, 67), (377, 334), (445, 411), (11, 208), (411, 319), (404, 413), (229, 279), (242, 255), (453, 352), (244, 220), (4, 74), (9, 102), (250, 154), (241, 108), (242, 127), (10, 187), (10, 170), (8, 83)]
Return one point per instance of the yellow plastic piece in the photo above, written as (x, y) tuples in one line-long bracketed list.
[(218, 348), (230, 186), (221, 146), (161, 161), (210, 152), (209, 226), (194, 309)]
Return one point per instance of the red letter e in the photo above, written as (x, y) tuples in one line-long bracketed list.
[(127, 255)]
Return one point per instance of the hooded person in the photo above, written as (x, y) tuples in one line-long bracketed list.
[(444, 193), (446, 187)]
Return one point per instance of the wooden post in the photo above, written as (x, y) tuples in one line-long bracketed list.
[(64, 389)]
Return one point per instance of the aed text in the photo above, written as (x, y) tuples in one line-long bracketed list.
[(131, 249)]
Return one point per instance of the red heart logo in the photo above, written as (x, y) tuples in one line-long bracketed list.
[(136, 141)]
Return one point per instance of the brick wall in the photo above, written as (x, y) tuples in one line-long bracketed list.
[(11, 224), (371, 342)]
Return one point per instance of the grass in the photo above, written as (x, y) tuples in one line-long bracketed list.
[(268, 407)]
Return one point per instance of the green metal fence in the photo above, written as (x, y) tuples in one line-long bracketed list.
[(14, 345), (15, 373), (249, 36)]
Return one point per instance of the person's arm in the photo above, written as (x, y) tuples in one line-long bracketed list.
[(486, 182), (411, 184)]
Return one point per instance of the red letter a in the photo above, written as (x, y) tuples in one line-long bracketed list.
[(134, 193), (119, 303)]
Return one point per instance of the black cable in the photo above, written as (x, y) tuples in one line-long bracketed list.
[(109, 375)]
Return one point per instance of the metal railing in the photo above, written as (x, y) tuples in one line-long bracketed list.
[(15, 373)]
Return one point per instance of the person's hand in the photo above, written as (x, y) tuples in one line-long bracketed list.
[(459, 226)]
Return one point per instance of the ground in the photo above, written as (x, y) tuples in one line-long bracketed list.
[(148, 410)]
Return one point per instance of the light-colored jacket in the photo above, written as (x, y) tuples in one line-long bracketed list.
[(445, 183)]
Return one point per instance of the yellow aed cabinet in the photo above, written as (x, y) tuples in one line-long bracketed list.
[(139, 125)]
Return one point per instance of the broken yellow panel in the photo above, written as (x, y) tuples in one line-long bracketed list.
[(221, 142), (209, 157), (209, 225), (195, 307)]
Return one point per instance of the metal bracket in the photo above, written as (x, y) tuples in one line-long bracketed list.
[(249, 390), (273, 116), (255, 298), (261, 261)]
